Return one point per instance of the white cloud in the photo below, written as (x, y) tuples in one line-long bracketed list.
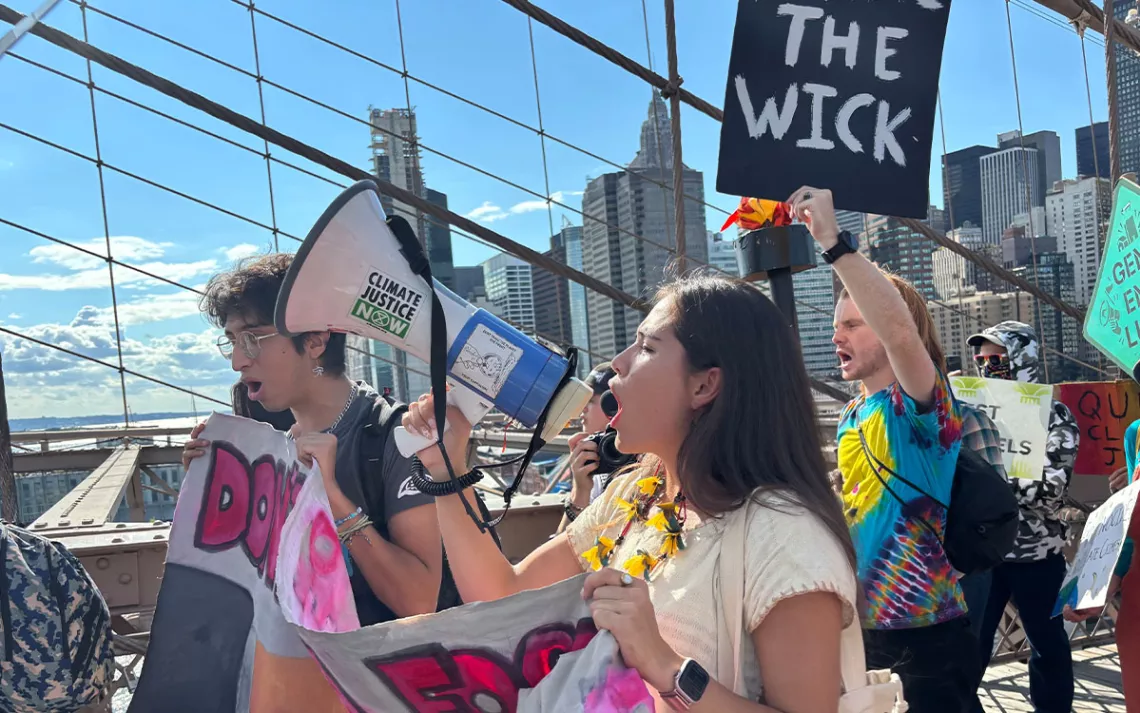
[(90, 272), (15, 316), (44, 381), (487, 213), (127, 249), (151, 308), (238, 252)]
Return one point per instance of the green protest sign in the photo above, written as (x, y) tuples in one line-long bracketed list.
[(1112, 323)]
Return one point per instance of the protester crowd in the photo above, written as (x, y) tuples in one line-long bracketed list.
[(726, 473)]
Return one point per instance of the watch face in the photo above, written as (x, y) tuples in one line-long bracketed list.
[(693, 680)]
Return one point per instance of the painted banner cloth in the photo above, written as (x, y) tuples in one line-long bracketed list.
[(531, 652), (256, 613)]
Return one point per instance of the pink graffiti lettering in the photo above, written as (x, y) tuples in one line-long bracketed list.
[(433, 679), (246, 504)]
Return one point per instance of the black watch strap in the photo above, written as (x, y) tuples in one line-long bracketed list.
[(845, 246)]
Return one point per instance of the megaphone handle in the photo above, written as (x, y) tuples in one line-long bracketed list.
[(410, 443), (468, 402)]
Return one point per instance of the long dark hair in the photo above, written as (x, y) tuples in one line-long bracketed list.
[(760, 432)]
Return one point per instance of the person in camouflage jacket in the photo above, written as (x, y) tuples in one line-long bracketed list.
[(1034, 569)]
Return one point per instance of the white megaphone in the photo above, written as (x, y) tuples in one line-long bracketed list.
[(353, 275)]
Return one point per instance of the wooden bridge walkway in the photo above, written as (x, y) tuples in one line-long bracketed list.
[(1098, 690)]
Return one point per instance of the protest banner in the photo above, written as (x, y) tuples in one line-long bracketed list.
[(1112, 323), (1020, 410), (533, 652), (216, 614), (1086, 584), (1104, 410), (836, 94)]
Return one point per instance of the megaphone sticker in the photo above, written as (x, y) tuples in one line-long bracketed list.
[(387, 304)]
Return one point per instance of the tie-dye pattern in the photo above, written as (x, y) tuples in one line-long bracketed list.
[(906, 578)]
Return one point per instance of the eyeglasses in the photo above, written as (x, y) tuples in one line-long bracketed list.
[(249, 342), (995, 360)]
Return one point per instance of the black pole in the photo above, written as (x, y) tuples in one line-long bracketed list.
[(784, 295), (9, 502)]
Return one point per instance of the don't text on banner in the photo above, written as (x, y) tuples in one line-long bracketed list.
[(216, 610), (837, 94), (1020, 410)]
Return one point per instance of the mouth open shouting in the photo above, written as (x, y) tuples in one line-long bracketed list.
[(253, 388), (845, 359)]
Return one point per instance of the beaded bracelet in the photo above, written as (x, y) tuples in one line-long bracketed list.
[(346, 518), (355, 529)]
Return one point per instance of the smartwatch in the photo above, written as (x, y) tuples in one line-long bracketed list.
[(847, 244), (688, 686)]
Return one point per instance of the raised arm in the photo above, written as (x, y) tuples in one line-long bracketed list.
[(481, 571), (880, 303)]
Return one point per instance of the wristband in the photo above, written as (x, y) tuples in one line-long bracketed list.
[(346, 518), (572, 511)]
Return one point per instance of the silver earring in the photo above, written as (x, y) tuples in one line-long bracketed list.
[(319, 370)]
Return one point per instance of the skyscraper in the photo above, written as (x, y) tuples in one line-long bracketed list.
[(1048, 146), (1079, 212), (396, 159), (1004, 191), (437, 242), (1127, 95), (893, 246), (722, 254), (510, 289), (560, 305), (962, 184), (1089, 159), (621, 205), (973, 311), (815, 307), (1053, 274)]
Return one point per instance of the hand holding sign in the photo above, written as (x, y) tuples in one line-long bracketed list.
[(814, 206), (835, 93)]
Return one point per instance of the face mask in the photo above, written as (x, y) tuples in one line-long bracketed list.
[(994, 366)]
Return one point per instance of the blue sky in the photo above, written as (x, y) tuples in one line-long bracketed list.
[(479, 49)]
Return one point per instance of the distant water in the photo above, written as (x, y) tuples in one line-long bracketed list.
[(52, 423)]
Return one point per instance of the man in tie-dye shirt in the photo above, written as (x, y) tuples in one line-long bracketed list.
[(912, 608)]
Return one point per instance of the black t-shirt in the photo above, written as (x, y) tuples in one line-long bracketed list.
[(390, 489)]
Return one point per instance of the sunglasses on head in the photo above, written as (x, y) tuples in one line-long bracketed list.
[(994, 360)]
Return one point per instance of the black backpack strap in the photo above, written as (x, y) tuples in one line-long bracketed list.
[(386, 415), (878, 466)]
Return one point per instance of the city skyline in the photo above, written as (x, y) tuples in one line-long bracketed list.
[(57, 294)]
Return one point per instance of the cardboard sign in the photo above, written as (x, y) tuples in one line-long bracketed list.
[(1104, 410), (216, 609), (1112, 322), (1021, 411), (1086, 584), (834, 93), (535, 651)]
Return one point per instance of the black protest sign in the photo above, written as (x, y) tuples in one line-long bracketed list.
[(838, 94)]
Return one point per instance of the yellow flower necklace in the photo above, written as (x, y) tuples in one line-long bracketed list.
[(670, 519)]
